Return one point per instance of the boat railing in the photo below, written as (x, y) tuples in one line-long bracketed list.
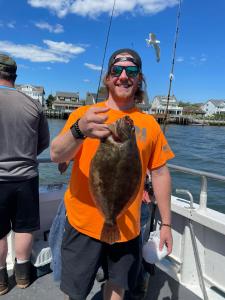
[(203, 174), (204, 180)]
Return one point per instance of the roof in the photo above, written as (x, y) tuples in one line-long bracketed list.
[(34, 87), (161, 97), (193, 109), (217, 102), (67, 94)]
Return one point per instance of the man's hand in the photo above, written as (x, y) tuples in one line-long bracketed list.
[(92, 124), (166, 238)]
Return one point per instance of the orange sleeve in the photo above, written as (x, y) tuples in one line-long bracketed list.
[(161, 152)]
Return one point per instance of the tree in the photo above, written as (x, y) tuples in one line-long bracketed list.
[(50, 100)]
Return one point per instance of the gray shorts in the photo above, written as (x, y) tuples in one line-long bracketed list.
[(83, 255)]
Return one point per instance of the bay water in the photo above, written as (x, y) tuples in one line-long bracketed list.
[(197, 147)]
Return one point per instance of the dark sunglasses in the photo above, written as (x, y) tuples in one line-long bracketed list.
[(131, 71)]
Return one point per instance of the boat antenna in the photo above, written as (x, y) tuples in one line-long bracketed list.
[(172, 66), (106, 44)]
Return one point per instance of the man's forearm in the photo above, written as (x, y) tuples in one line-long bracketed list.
[(161, 182), (64, 147)]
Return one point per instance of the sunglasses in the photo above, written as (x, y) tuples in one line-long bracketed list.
[(131, 71)]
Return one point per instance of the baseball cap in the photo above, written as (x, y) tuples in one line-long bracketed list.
[(136, 57), (7, 64)]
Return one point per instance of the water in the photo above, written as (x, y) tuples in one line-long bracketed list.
[(196, 147)]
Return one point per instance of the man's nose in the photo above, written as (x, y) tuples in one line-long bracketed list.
[(123, 75)]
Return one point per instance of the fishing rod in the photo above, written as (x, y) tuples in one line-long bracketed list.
[(172, 66), (150, 268), (106, 44)]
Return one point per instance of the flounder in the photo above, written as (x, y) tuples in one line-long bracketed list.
[(115, 175)]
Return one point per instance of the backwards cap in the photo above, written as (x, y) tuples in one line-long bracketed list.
[(136, 57), (7, 64)]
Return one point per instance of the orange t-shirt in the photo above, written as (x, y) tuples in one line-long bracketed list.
[(154, 152)]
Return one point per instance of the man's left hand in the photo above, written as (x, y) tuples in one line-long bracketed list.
[(166, 238)]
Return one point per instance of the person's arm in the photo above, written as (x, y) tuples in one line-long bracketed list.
[(162, 190), (43, 134), (65, 146)]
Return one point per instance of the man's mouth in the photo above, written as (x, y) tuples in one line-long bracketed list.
[(125, 86)]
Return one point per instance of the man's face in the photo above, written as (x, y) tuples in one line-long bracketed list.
[(122, 87)]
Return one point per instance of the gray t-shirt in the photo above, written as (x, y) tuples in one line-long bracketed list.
[(24, 134)]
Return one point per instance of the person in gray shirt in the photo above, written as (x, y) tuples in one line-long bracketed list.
[(24, 134)]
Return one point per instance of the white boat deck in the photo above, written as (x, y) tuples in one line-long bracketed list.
[(194, 270)]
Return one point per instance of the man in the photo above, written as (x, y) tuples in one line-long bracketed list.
[(82, 250), (24, 135)]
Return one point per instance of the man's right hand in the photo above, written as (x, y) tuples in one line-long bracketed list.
[(92, 124)]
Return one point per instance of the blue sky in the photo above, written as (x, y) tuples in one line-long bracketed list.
[(59, 44)]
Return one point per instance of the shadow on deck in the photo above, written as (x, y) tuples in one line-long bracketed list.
[(161, 287)]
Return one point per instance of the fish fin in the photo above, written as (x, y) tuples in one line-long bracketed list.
[(110, 233)]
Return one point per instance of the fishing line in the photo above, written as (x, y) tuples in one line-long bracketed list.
[(172, 66), (106, 44)]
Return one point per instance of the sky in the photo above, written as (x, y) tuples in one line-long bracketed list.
[(59, 44)]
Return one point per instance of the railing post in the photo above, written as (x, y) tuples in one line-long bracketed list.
[(203, 194)]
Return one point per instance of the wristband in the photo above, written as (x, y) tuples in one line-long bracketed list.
[(76, 132), (167, 225)]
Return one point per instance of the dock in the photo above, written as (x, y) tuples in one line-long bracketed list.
[(56, 114)]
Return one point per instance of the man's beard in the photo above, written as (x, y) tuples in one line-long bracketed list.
[(123, 95)]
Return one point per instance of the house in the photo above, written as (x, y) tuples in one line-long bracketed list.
[(103, 94), (66, 101), (144, 105), (90, 98), (212, 107), (35, 92), (159, 105), (193, 110)]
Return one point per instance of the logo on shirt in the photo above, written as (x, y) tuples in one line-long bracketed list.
[(141, 133)]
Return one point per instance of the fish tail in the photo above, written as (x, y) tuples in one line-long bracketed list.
[(110, 233)]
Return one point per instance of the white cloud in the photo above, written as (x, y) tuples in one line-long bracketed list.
[(63, 47), (58, 28), (94, 8), (86, 80), (11, 24), (60, 7), (21, 66), (93, 67), (56, 51), (203, 57), (198, 61), (180, 59)]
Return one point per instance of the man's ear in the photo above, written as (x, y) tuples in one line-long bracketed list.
[(140, 79), (106, 78)]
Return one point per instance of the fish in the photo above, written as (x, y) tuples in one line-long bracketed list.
[(115, 175)]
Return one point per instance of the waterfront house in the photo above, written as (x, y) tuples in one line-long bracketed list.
[(212, 107), (92, 98), (193, 111), (66, 101), (159, 105), (35, 92), (103, 94)]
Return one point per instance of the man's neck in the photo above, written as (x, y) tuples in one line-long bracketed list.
[(7, 83), (120, 104)]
